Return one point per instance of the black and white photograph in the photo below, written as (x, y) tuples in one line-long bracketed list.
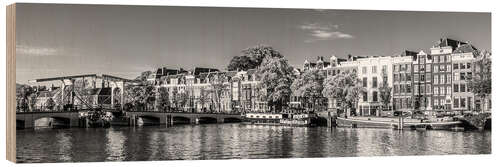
[(97, 83)]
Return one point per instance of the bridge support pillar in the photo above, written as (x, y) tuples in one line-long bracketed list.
[(194, 120), (220, 120), (132, 120), (170, 121), (74, 122), (163, 120)]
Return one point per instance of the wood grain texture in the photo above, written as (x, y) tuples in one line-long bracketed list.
[(11, 83)]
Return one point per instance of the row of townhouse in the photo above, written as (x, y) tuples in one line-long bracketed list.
[(421, 82), (211, 90)]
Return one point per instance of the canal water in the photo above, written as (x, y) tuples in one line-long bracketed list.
[(234, 141)]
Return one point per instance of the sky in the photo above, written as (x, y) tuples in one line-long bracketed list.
[(57, 40)]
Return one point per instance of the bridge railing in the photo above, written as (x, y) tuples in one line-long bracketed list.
[(184, 112)]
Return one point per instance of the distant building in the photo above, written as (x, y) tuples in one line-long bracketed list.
[(402, 81), (373, 73)]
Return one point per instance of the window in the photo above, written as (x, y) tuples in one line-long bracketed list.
[(396, 77), (448, 78), (436, 79), (462, 102), (436, 68), (396, 103), (455, 88), (396, 89), (448, 68), (468, 65), (396, 68), (448, 90), (403, 105), (428, 77), (468, 88), (416, 77), (428, 68), (428, 88), (462, 66), (436, 90), (441, 58), (456, 76), (365, 82), (462, 87), (422, 67), (375, 96), (402, 77), (363, 70), (462, 76), (422, 77), (374, 82), (455, 102), (402, 87), (374, 69), (408, 77), (408, 89), (415, 68), (442, 90), (365, 96), (442, 78), (436, 102), (384, 69)]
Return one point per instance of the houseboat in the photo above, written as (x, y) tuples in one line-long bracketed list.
[(302, 119), (286, 119)]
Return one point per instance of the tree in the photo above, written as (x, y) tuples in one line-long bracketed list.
[(218, 88), (23, 93), (182, 99), (203, 98), (163, 103), (50, 104), (309, 86), (276, 79), (385, 94), (345, 88), (480, 83), (139, 96), (241, 63), (144, 76), (252, 57)]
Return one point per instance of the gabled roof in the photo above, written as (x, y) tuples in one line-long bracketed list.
[(466, 48), (407, 53), (198, 70), (449, 42)]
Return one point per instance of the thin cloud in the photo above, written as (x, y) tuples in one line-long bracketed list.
[(37, 51), (320, 32)]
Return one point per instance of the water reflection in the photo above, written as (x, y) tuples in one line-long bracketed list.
[(229, 141), (115, 145)]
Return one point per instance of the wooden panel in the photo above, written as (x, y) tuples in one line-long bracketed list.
[(11, 83)]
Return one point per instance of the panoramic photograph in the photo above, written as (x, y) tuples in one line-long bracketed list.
[(101, 83)]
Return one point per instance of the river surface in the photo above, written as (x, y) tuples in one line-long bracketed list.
[(233, 141)]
